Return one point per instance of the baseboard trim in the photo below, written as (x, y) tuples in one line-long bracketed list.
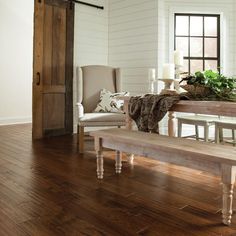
[(15, 120)]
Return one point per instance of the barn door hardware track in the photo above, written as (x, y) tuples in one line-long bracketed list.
[(88, 4)]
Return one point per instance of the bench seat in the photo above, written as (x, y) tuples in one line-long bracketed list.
[(216, 159)]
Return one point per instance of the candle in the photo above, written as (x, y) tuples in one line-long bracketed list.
[(168, 71), (152, 74), (178, 58)]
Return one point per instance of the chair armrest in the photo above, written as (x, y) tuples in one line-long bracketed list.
[(80, 110)]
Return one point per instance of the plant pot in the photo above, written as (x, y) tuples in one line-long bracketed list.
[(199, 91)]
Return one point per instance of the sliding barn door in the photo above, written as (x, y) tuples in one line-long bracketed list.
[(53, 68)]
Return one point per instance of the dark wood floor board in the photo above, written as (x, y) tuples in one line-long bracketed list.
[(174, 199), (46, 188), (186, 175), (114, 220), (17, 157), (9, 228), (206, 223), (161, 193)]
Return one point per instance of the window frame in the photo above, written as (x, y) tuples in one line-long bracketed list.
[(203, 58)]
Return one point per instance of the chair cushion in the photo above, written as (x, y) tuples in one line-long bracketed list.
[(102, 119), (109, 102)]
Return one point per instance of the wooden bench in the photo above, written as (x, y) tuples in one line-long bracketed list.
[(216, 159)]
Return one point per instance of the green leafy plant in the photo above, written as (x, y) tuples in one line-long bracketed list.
[(222, 87)]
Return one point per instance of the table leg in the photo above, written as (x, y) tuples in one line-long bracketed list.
[(118, 162), (128, 122), (171, 124), (228, 179), (98, 149)]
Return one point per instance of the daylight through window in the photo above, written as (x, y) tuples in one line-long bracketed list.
[(198, 36)]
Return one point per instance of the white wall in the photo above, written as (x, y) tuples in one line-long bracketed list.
[(16, 52), (91, 34), (90, 40), (133, 36)]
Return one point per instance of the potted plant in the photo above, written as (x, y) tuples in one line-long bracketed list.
[(210, 85)]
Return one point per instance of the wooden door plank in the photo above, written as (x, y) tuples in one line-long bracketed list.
[(47, 45), (37, 131), (59, 45), (53, 111)]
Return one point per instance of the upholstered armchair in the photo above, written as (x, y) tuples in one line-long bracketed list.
[(90, 80)]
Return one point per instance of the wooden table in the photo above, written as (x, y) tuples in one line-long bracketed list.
[(200, 107)]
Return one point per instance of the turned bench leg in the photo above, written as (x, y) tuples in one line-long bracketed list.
[(130, 158), (100, 169), (228, 179), (227, 203), (118, 162), (98, 148)]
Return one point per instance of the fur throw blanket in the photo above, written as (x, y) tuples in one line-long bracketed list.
[(148, 110)]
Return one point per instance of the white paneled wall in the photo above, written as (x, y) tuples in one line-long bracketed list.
[(133, 36), (90, 39), (91, 34)]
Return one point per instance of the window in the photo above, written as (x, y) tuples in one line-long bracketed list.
[(198, 36)]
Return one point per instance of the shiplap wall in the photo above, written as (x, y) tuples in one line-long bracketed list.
[(224, 7), (133, 36), (140, 36), (90, 39), (91, 34)]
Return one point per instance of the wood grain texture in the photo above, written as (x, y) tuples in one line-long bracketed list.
[(215, 159), (200, 107), (59, 45), (52, 107), (38, 70), (47, 46), (69, 65), (47, 189), (54, 111)]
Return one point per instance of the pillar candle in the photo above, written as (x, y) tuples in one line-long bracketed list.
[(152, 74), (178, 58), (168, 71)]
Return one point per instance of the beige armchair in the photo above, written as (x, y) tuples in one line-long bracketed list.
[(91, 79)]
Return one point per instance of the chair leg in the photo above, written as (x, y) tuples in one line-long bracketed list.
[(221, 134), (206, 133), (217, 134), (179, 128), (196, 132), (233, 137), (80, 139)]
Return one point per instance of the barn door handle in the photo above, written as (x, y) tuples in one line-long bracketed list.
[(38, 78)]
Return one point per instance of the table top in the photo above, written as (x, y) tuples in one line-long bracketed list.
[(221, 108)]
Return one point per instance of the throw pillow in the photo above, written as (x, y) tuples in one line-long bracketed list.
[(109, 103)]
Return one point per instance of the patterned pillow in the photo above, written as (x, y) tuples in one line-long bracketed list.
[(109, 103)]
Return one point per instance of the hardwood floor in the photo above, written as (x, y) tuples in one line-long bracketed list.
[(46, 188)]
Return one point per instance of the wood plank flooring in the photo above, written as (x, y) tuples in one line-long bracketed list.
[(46, 188)]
